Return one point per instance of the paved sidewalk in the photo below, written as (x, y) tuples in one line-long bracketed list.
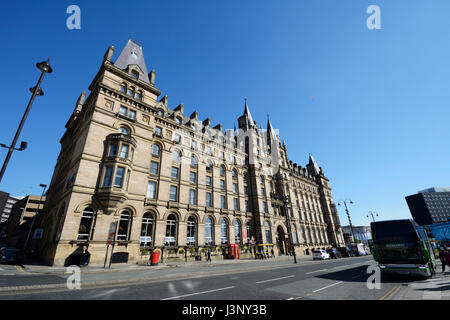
[(436, 288), (42, 269)]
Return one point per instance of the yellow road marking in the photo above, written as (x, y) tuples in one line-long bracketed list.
[(390, 293), (19, 269)]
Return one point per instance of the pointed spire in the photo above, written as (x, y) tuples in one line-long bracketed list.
[(312, 166), (270, 129), (270, 133), (248, 114), (132, 54)]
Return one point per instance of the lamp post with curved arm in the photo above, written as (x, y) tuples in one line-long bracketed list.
[(348, 215), (371, 213), (44, 67)]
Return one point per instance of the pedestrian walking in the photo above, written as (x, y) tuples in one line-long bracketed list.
[(208, 255), (272, 253), (85, 258), (443, 258)]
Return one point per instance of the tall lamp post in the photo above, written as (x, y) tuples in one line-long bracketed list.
[(44, 67), (34, 218), (348, 215), (371, 213)]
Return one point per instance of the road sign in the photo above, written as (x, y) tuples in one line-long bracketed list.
[(38, 234), (112, 232)]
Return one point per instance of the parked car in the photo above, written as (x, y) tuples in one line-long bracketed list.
[(10, 255), (334, 253), (346, 252), (320, 255)]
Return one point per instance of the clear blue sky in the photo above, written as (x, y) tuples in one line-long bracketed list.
[(372, 106)]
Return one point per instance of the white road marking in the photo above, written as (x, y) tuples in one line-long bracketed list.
[(196, 293), (316, 271), (274, 279), (331, 285), (347, 265)]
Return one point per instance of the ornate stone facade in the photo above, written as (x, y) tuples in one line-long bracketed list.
[(173, 182)]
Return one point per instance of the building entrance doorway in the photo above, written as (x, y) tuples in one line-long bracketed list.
[(281, 239)]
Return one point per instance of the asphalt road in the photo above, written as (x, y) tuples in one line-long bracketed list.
[(342, 279)]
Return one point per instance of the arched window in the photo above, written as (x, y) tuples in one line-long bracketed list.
[(139, 95), (191, 231), (130, 92), (303, 234), (267, 232), (147, 230), (248, 231), (156, 150), (123, 233), (124, 130), (234, 174), (171, 230), (86, 224), (208, 232), (237, 232), (223, 231), (123, 87), (294, 235), (176, 156), (208, 166), (222, 171), (160, 113)]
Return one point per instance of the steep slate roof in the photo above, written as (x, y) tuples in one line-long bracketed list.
[(132, 54)]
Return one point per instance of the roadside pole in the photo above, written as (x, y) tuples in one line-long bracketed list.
[(111, 241)]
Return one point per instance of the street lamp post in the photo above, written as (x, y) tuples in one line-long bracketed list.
[(44, 67), (371, 213), (34, 218), (348, 215)]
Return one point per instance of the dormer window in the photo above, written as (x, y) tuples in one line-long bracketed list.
[(130, 92), (177, 120), (123, 87), (160, 113), (124, 130), (135, 74)]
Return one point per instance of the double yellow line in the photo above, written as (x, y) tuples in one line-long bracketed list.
[(391, 293)]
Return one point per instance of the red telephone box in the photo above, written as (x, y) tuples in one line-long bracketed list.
[(154, 258), (233, 251)]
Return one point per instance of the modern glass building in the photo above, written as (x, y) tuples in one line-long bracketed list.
[(430, 206)]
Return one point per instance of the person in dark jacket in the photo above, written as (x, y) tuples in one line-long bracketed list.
[(85, 258), (443, 258)]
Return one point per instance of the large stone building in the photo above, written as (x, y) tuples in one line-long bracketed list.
[(174, 182)]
